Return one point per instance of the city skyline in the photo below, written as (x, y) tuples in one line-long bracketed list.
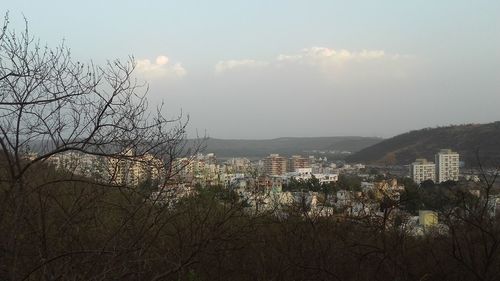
[(264, 70)]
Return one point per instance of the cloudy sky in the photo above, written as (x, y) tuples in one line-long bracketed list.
[(265, 69)]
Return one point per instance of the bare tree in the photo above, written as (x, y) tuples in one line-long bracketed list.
[(474, 228), (51, 104)]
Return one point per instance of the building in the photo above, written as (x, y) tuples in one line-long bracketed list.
[(275, 165), (238, 165), (298, 162), (422, 170), (132, 170), (305, 174), (447, 165), (121, 169)]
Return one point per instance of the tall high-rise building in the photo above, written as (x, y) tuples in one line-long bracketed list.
[(447, 165), (422, 170), (275, 165), (298, 162)]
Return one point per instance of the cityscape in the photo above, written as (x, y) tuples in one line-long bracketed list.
[(276, 182), (249, 140)]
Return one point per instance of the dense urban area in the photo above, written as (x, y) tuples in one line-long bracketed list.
[(275, 183)]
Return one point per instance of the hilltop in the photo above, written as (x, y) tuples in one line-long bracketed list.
[(465, 139)]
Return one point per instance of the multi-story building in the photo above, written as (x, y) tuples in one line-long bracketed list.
[(133, 170), (121, 169), (447, 165), (298, 162), (422, 170), (238, 165), (275, 165)]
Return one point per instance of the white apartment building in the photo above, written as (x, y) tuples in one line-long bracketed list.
[(306, 174), (447, 165), (422, 170)]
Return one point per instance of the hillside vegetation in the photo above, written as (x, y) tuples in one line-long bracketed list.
[(471, 141), (286, 146)]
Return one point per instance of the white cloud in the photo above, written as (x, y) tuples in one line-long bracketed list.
[(161, 60), (326, 55), (160, 68), (223, 66), (314, 56), (179, 70)]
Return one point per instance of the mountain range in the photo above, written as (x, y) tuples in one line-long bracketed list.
[(329, 146)]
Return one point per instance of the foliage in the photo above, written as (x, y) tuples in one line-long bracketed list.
[(349, 182), (93, 232)]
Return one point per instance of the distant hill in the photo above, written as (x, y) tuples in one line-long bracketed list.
[(465, 139), (286, 146)]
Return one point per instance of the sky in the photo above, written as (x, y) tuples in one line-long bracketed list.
[(266, 69)]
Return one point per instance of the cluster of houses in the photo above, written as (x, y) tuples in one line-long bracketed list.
[(261, 184), (123, 169)]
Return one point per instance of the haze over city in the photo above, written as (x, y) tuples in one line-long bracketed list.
[(267, 69)]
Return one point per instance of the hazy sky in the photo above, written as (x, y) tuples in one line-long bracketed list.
[(265, 69)]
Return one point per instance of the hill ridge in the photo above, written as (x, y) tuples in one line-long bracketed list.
[(286, 145), (471, 141)]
